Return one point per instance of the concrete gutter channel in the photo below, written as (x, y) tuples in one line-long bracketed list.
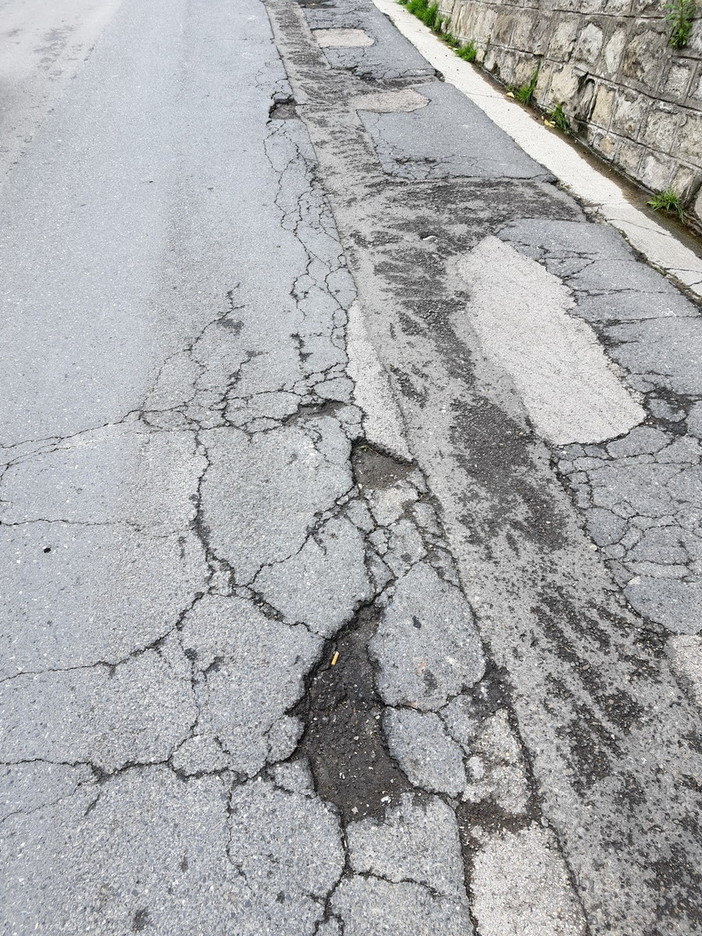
[(569, 760)]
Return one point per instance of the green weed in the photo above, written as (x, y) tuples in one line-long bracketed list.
[(428, 13), (558, 118), (679, 15), (525, 93), (669, 201), (468, 51)]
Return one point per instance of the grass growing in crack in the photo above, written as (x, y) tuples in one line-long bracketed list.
[(525, 93), (428, 13), (679, 15), (558, 118), (668, 201)]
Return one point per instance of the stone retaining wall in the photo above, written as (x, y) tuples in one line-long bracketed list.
[(627, 93)]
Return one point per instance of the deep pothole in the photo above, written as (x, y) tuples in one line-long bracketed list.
[(344, 738)]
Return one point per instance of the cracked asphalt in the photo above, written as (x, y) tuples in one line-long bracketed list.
[(350, 505)]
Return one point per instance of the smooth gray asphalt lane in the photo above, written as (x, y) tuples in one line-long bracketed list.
[(322, 613)]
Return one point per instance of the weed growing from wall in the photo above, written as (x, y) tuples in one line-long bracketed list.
[(679, 15), (428, 13), (525, 93)]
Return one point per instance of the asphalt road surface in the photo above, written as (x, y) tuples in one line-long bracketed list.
[(351, 500)]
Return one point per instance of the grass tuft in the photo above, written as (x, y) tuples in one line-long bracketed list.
[(428, 13), (558, 118), (668, 201), (468, 51), (526, 92)]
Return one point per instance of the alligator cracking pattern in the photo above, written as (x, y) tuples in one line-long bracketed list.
[(291, 684), (290, 540)]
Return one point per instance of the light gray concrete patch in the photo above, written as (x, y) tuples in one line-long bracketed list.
[(520, 886), (370, 906), (390, 102), (249, 671), (426, 646), (324, 583), (342, 38), (416, 841), (450, 137), (496, 768), (429, 758), (520, 316), (382, 422)]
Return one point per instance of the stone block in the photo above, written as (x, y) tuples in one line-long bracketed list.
[(646, 49), (588, 46), (584, 99), (694, 46), (490, 61), (629, 113), (690, 138), (563, 38), (686, 181), (698, 204), (646, 8), (483, 24), (657, 171), (605, 144), (502, 30), (564, 85), (604, 103), (521, 31), (512, 68), (628, 156), (613, 52), (660, 129), (677, 81), (618, 7), (696, 89)]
